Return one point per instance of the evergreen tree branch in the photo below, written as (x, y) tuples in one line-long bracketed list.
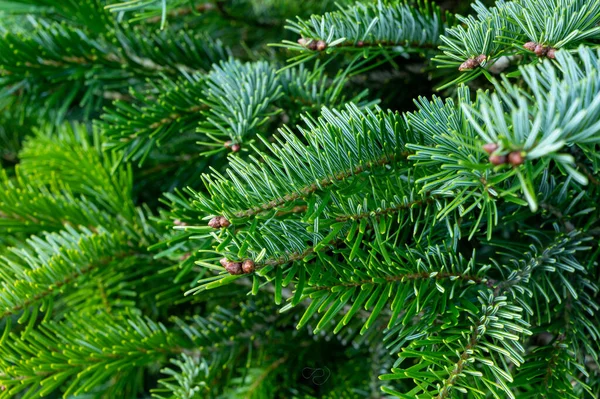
[(374, 29), (88, 14), (190, 381), (477, 371), (76, 359), (84, 349), (247, 13), (229, 106), (94, 65), (47, 264), (308, 168), (523, 28), (441, 238), (29, 209), (574, 123), (76, 160)]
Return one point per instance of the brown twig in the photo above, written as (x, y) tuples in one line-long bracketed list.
[(409, 276), (311, 188)]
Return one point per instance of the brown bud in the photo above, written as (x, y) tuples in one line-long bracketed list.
[(312, 45), (490, 147), (360, 43), (185, 256), (224, 262), (227, 144), (236, 148), (471, 63), (224, 222), (551, 53), (248, 266), (515, 158), (481, 59), (234, 268), (321, 45), (530, 46), (302, 41), (540, 50), (215, 223), (497, 159)]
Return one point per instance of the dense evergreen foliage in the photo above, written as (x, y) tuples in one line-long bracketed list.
[(299, 199)]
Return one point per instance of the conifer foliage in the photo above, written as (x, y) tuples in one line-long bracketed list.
[(316, 199)]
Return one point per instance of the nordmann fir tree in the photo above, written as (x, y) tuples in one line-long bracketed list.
[(239, 198)]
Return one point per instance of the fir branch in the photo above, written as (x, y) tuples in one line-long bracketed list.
[(406, 273), (70, 156), (189, 380), (89, 14), (25, 208), (75, 359), (490, 333), (87, 348), (56, 79), (45, 265), (308, 168), (474, 338), (529, 275), (438, 235), (529, 27), (227, 107), (560, 367), (384, 27), (167, 108), (474, 37), (538, 20), (320, 185), (391, 205), (574, 123), (239, 97)]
